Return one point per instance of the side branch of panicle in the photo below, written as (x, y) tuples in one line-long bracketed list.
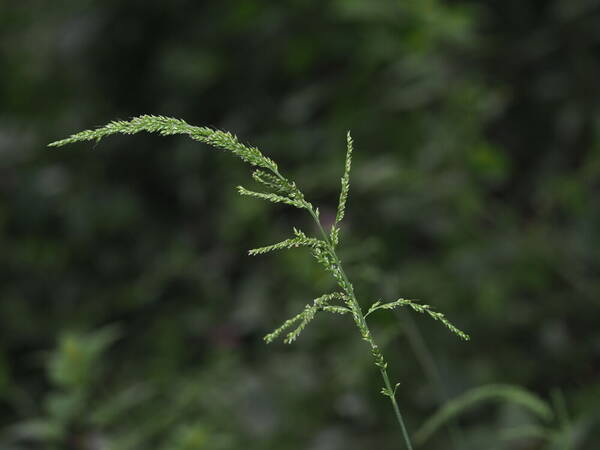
[(345, 181), (420, 308), (300, 240), (307, 315), (166, 126)]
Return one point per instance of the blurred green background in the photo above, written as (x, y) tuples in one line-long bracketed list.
[(131, 316)]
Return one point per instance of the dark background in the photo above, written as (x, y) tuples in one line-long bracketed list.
[(131, 316)]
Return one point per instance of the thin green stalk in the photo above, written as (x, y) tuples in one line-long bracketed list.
[(564, 420), (386, 380)]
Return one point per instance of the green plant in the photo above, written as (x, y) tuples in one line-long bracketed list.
[(547, 423), (280, 189), (74, 374), (77, 413)]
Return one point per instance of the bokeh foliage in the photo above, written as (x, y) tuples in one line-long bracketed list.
[(130, 313)]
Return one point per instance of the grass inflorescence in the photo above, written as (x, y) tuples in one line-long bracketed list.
[(279, 189)]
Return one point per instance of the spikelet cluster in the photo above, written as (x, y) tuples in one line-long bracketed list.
[(269, 196), (345, 181), (300, 240), (166, 126)]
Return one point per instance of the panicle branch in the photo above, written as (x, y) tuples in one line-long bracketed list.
[(166, 126), (420, 308), (301, 240), (308, 314), (274, 198), (345, 181)]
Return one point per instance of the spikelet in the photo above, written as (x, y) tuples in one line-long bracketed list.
[(334, 235)]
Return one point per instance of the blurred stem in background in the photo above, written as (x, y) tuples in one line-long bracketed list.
[(432, 371)]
